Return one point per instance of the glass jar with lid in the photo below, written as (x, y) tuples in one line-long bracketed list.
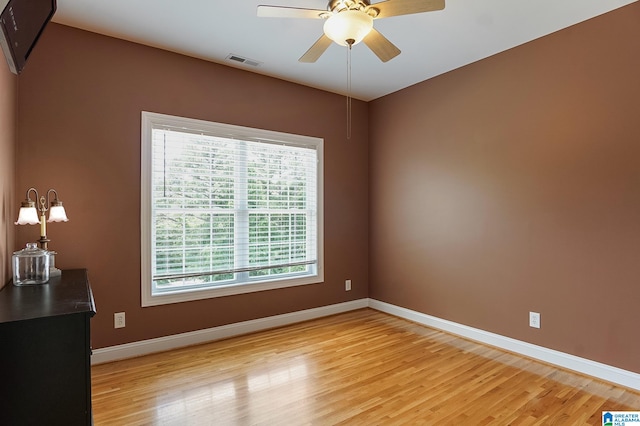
[(30, 265)]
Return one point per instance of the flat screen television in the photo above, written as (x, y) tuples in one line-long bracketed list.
[(21, 24)]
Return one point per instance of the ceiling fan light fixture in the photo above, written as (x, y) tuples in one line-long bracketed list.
[(348, 27)]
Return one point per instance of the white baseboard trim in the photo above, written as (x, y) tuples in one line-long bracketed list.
[(561, 359), (145, 347)]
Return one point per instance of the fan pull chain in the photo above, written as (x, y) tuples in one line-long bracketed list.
[(349, 89)]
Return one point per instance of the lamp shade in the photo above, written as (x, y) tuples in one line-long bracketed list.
[(57, 213), (28, 216), (348, 27)]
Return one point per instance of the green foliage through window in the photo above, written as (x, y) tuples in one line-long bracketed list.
[(228, 211)]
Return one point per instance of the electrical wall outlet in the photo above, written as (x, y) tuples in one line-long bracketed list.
[(534, 319), (347, 285), (118, 320)]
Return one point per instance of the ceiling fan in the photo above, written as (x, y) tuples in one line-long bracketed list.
[(350, 21)]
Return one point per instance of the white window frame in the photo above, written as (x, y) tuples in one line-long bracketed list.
[(152, 120)]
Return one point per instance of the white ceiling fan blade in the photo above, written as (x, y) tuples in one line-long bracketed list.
[(316, 50), (405, 7), (265, 11), (383, 48)]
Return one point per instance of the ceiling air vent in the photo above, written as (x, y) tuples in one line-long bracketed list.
[(243, 60)]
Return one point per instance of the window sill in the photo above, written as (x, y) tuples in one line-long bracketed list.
[(226, 290)]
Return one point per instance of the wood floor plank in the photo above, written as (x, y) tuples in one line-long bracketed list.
[(362, 367)]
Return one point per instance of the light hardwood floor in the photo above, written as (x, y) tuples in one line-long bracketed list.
[(358, 368)]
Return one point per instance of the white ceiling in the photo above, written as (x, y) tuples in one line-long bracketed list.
[(432, 43)]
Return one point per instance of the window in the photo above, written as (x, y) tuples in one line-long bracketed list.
[(227, 209)]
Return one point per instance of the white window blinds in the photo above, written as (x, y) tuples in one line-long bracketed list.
[(230, 209)]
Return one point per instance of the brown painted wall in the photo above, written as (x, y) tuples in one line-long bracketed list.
[(513, 185), (79, 119), (7, 171)]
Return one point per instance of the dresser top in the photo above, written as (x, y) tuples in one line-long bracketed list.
[(69, 293)]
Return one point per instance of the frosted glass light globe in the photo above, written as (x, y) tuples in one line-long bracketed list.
[(27, 216), (348, 25), (57, 214)]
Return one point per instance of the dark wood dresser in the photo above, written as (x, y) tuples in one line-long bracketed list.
[(45, 352)]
